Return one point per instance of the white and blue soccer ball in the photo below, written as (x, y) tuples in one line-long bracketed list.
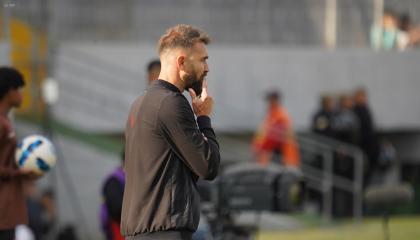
[(35, 153)]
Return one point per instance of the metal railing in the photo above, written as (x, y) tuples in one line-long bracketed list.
[(324, 180)]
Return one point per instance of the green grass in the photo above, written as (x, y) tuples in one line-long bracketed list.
[(401, 228)]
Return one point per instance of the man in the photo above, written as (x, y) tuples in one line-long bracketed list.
[(276, 135), (113, 187), (112, 193), (346, 123), (13, 209), (167, 150), (153, 70), (41, 217), (346, 129), (323, 120), (368, 139)]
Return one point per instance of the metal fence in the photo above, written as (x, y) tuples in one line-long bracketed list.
[(309, 23)]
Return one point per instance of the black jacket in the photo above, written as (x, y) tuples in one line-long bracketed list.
[(166, 152), (322, 123)]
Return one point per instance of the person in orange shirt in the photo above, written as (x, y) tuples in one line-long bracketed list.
[(276, 135)]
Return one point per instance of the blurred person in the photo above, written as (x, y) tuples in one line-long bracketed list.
[(346, 123), (405, 23), (387, 36), (49, 215), (322, 121), (34, 209), (153, 70), (276, 134), (41, 219), (410, 34), (368, 140), (167, 149), (346, 127), (322, 124), (13, 210), (112, 194), (404, 26)]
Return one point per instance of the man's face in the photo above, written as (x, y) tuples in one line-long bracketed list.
[(196, 67), (328, 104), (272, 102), (346, 102), (389, 21), (15, 97), (360, 98)]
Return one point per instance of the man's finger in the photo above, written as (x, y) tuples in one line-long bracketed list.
[(192, 93), (204, 93)]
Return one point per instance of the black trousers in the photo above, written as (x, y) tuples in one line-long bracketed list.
[(163, 235), (8, 234)]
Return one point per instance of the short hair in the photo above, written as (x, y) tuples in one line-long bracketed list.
[(152, 64), (343, 97), (183, 36), (390, 12), (273, 95), (10, 78), (405, 22), (360, 90), (325, 98)]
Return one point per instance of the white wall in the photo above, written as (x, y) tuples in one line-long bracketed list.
[(99, 81)]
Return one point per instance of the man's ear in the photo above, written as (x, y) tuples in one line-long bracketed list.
[(180, 62)]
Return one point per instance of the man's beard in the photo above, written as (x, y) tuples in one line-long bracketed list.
[(194, 82)]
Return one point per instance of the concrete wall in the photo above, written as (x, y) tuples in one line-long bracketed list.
[(99, 81), (4, 53)]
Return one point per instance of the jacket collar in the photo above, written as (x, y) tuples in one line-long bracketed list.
[(166, 84)]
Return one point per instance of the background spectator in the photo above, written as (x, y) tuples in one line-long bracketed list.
[(276, 134), (112, 193), (322, 122), (387, 36), (368, 140), (346, 123)]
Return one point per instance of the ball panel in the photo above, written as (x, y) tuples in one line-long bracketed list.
[(27, 152), (42, 165)]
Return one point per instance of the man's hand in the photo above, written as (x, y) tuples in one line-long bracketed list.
[(202, 105), (29, 174)]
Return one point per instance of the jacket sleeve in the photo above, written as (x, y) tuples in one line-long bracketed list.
[(196, 146)]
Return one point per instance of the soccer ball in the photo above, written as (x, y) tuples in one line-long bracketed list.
[(35, 153)]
